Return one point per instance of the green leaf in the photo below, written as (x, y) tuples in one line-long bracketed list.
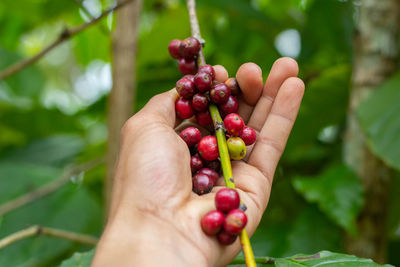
[(326, 259), (380, 120), (79, 259), (338, 193)]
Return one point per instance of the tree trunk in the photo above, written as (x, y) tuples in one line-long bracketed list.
[(375, 55), (121, 99)]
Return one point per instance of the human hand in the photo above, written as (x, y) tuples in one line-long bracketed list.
[(154, 217)]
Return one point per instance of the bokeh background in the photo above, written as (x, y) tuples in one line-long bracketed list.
[(53, 116)]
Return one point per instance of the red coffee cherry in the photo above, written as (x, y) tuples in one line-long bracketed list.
[(248, 135), (227, 199), (234, 124), (174, 48), (213, 165), (189, 76), (191, 135), (185, 88), (196, 164), (211, 173), (187, 66), (199, 102), (190, 47), (208, 69), (201, 184), (203, 118), (235, 221), (233, 85), (212, 222), (230, 106), (220, 93), (236, 148), (203, 81), (183, 108), (225, 238), (208, 148)]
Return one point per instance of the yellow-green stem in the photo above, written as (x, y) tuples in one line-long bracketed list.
[(228, 177)]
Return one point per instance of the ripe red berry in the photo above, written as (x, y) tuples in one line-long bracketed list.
[(233, 85), (208, 148), (248, 135), (203, 118), (203, 81), (208, 69), (190, 47), (227, 199), (199, 102), (225, 238), (191, 135), (174, 48), (230, 106), (234, 124), (212, 222), (211, 173), (185, 88), (202, 184), (220, 93), (189, 76), (213, 165), (236, 148), (196, 163), (187, 66), (235, 221), (183, 108)]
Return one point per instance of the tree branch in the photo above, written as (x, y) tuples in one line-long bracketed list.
[(195, 29), (37, 230), (65, 35), (48, 188), (87, 13)]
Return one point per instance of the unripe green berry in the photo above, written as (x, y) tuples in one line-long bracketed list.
[(236, 148)]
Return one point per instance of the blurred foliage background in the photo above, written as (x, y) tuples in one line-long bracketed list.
[(53, 115)]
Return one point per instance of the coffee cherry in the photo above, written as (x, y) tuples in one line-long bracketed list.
[(233, 85), (203, 118), (236, 148), (208, 69), (193, 150), (234, 124), (220, 93), (211, 173), (203, 81), (189, 76), (212, 222), (187, 66), (248, 135), (235, 221), (227, 199), (208, 148), (230, 106), (183, 108), (202, 184), (225, 238), (196, 164), (185, 88), (199, 102), (213, 165), (191, 135), (174, 48), (190, 47)]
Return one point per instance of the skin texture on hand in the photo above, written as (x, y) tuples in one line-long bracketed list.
[(154, 217)]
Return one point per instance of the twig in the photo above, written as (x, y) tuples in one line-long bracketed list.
[(65, 35), (48, 188), (37, 230), (87, 13), (221, 139), (259, 260)]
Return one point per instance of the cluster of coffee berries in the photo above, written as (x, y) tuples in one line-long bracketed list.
[(186, 52), (228, 220)]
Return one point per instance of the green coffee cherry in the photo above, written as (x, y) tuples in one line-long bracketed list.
[(236, 148)]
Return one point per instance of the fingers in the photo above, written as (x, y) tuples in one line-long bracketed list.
[(282, 69), (275, 132), (221, 74)]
